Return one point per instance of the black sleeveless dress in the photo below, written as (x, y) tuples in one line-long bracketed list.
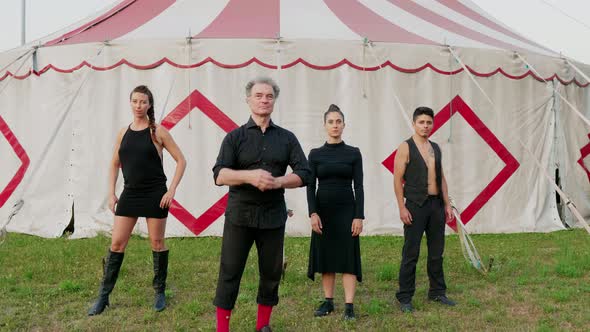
[(337, 168), (145, 181)]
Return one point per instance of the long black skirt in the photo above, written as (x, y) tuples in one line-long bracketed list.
[(335, 250)]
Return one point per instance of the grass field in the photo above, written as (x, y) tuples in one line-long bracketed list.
[(538, 282)]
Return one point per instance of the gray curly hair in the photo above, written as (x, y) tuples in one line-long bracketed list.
[(262, 80)]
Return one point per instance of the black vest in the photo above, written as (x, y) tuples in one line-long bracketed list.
[(416, 175)]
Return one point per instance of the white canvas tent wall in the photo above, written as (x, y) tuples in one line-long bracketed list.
[(63, 98)]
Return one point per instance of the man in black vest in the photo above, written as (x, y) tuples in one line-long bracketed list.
[(418, 177)]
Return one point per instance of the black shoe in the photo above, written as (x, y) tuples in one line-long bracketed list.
[(349, 312), (99, 306), (160, 302), (111, 268), (265, 329), (325, 309), (443, 299), (160, 275), (406, 308)]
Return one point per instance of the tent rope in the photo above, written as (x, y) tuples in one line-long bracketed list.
[(279, 69), (578, 70), (555, 90), (395, 96), (467, 246), (189, 92)]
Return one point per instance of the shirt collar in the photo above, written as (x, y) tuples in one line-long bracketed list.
[(252, 124)]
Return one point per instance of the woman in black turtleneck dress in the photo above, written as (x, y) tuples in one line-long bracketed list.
[(336, 212)]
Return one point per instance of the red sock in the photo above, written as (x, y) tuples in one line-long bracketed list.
[(223, 316), (263, 318)]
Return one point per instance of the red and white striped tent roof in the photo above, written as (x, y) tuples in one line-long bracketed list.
[(324, 24), (457, 23)]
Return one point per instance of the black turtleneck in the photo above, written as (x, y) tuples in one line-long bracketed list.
[(336, 167)]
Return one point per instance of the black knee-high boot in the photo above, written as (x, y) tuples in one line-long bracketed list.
[(111, 273), (160, 274)]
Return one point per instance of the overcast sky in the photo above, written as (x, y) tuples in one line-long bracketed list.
[(561, 25)]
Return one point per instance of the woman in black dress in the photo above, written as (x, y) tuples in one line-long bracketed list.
[(336, 213), (138, 152)]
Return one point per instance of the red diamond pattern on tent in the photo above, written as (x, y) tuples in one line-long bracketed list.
[(511, 164), (197, 100), (584, 152), (21, 154)]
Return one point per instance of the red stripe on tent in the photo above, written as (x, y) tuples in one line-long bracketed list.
[(246, 19), (584, 152), (198, 225), (468, 12), (21, 154), (197, 100), (444, 23), (458, 105), (367, 23), (344, 62), (122, 19)]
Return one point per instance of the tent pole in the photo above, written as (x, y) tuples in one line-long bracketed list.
[(23, 20)]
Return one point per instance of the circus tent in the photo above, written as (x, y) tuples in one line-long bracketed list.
[(508, 111)]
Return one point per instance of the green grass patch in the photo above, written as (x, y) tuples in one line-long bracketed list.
[(538, 282)]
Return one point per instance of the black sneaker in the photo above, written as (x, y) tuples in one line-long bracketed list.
[(443, 299), (325, 309), (349, 312), (406, 308)]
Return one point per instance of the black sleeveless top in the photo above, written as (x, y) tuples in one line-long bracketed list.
[(140, 162), (416, 175)]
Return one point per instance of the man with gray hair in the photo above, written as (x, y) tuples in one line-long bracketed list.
[(252, 161)]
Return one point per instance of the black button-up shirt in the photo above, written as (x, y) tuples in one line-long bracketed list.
[(248, 148)]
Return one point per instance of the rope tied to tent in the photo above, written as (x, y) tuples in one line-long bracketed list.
[(366, 43), (395, 96), (578, 70), (554, 89), (467, 246)]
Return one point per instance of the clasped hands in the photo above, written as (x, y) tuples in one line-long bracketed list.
[(263, 180)]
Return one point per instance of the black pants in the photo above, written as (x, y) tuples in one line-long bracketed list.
[(236, 244), (429, 218)]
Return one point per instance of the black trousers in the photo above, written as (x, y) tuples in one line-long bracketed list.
[(429, 218), (236, 244)]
